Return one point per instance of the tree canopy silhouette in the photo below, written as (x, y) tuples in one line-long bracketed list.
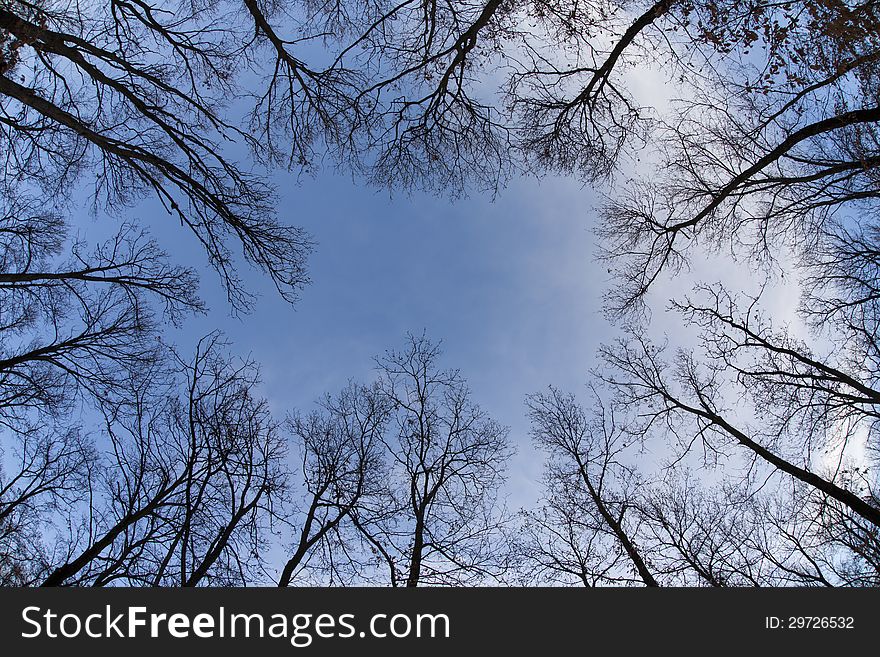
[(769, 147)]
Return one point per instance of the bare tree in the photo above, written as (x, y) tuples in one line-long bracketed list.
[(342, 465), (773, 146), (76, 324), (769, 151), (187, 486), (603, 522), (438, 522), (737, 533), (797, 415), (133, 92), (588, 526), (441, 94), (47, 474)]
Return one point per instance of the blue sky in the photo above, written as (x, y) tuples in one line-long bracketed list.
[(510, 286)]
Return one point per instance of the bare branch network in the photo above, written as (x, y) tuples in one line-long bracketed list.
[(768, 436)]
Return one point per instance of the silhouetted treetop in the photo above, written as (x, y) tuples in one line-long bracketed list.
[(774, 127)]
